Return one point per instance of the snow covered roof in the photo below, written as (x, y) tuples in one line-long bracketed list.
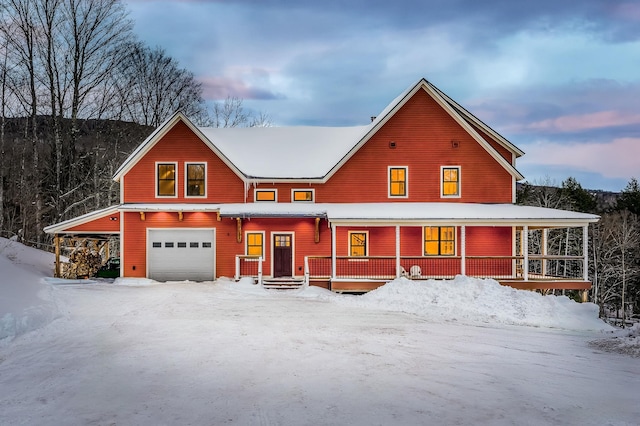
[(390, 213), (294, 152), (87, 217), (309, 152)]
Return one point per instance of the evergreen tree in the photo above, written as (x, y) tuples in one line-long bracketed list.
[(630, 197)]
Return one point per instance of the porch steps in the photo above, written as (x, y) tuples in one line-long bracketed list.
[(285, 283)]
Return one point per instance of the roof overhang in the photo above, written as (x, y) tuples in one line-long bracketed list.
[(63, 227)]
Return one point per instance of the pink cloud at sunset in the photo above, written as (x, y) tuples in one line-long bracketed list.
[(617, 159), (581, 122)]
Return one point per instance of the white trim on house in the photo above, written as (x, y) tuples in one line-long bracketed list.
[(459, 194), (293, 249), (186, 179), (246, 243), (313, 195), (81, 220), (406, 182), (175, 183), (366, 242)]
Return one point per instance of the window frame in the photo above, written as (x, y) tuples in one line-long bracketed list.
[(459, 181), (186, 178), (406, 181), (439, 240), (311, 190), (366, 243), (246, 244), (175, 179), (256, 191)]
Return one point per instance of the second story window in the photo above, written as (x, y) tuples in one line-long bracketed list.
[(266, 195), (397, 181), (302, 195), (166, 175), (196, 173), (450, 181)]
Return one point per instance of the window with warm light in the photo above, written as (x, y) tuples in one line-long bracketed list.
[(196, 173), (439, 240), (166, 175), (450, 183), (302, 195), (255, 244), (265, 195), (358, 243), (398, 181)]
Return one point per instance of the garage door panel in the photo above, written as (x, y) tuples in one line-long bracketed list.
[(181, 254)]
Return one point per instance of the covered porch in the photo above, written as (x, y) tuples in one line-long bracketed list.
[(507, 243)]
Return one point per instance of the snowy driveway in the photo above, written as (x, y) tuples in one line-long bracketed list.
[(203, 354)]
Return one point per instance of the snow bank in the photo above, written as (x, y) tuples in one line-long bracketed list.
[(472, 300), (26, 302)]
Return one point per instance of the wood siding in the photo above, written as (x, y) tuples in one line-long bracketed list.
[(106, 224), (181, 145), (423, 134)]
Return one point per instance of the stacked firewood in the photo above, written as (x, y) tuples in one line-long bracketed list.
[(84, 261)]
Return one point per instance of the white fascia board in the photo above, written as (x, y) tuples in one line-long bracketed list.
[(499, 138), (87, 217), (159, 133), (170, 207)]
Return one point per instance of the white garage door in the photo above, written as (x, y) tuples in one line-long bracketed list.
[(181, 254)]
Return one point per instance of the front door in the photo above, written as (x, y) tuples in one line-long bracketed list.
[(282, 255)]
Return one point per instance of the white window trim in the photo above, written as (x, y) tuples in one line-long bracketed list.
[(246, 243), (186, 179), (255, 191), (156, 183), (366, 246), (406, 182), (459, 195), (313, 194), (455, 240)]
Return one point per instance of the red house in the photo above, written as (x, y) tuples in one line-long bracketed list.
[(425, 190)]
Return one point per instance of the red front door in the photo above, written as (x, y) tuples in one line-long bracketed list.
[(282, 255)]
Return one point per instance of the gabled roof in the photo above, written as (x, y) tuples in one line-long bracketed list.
[(452, 108), (311, 153), (157, 135)]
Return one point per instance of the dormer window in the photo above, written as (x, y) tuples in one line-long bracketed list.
[(166, 179)]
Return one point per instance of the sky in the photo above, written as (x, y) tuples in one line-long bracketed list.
[(560, 79)]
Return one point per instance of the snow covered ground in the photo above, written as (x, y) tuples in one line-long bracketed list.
[(137, 352)]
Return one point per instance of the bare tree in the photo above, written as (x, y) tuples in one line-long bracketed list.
[(152, 86), (231, 113)]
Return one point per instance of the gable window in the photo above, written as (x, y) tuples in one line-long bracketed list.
[(358, 243), (450, 181), (302, 195), (196, 175), (166, 175), (255, 244), (439, 240), (397, 181), (266, 195)]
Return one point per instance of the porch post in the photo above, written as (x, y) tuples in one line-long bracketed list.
[(333, 252), (463, 250), (398, 267), (545, 235), (585, 252), (525, 245), (56, 239)]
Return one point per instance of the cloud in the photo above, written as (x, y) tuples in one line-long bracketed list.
[(217, 88), (616, 159), (582, 122)]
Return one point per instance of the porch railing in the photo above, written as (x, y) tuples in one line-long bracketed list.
[(249, 266), (497, 267)]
